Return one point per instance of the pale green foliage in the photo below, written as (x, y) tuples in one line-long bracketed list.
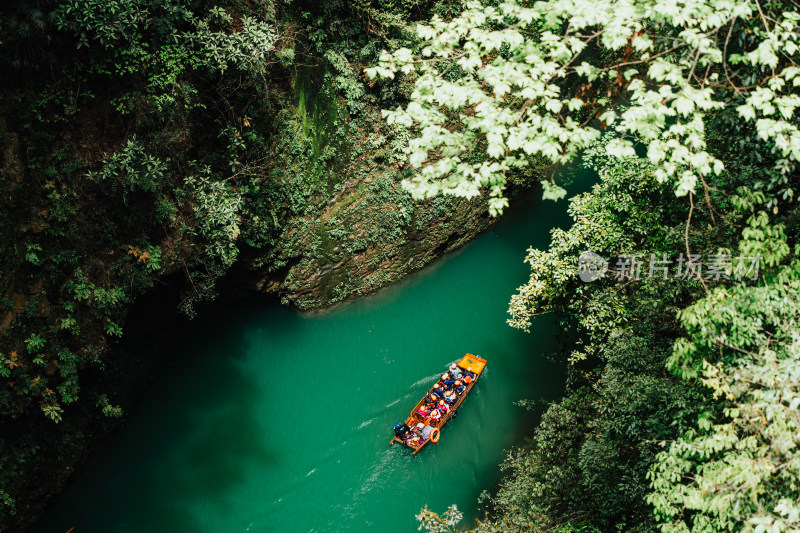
[(740, 469), (111, 411), (108, 22), (248, 50), (350, 86), (132, 169), (8, 502), (446, 523), (217, 217), (216, 210), (53, 411), (520, 67), (615, 216)]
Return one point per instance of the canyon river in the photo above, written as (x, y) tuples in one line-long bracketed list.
[(264, 419)]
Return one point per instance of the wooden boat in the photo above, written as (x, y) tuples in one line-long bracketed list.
[(471, 363)]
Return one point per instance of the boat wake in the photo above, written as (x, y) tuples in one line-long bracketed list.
[(393, 403), (426, 379)]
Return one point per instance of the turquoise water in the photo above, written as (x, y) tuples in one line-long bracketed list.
[(270, 420)]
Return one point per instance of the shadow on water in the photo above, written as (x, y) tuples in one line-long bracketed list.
[(182, 445)]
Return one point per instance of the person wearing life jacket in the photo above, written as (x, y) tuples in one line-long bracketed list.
[(437, 391), (401, 430), (414, 440), (418, 434), (455, 371), (443, 407), (424, 412), (447, 380), (450, 396)]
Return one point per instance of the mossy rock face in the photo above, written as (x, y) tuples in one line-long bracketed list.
[(355, 228), (323, 120), (371, 235)]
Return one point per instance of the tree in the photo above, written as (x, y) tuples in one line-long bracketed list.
[(499, 85), (512, 82), (740, 468), (587, 463)]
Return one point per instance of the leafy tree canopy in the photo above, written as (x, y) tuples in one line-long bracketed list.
[(519, 80), (706, 91)]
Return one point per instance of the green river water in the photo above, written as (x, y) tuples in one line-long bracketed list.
[(268, 420)]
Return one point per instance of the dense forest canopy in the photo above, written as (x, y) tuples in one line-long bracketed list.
[(683, 407), (514, 81), (160, 144)]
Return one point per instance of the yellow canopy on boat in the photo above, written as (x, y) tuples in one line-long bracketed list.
[(473, 363)]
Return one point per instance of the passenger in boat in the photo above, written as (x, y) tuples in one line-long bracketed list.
[(437, 391), (402, 431), (436, 415), (424, 412), (459, 386), (455, 371), (451, 396), (468, 379), (447, 380), (414, 441), (415, 435), (443, 407), (430, 399)]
